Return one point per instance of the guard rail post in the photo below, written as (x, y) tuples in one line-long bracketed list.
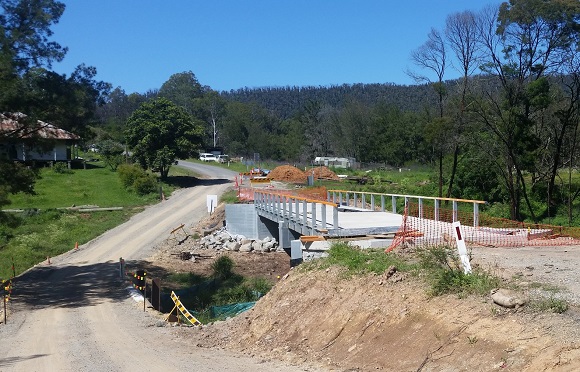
[(382, 203), (313, 206), (304, 215), (475, 215)]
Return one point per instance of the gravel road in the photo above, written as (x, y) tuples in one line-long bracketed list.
[(76, 315), (557, 268)]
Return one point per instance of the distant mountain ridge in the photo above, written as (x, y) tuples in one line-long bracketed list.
[(288, 101)]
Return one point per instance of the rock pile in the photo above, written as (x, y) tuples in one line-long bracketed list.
[(287, 173), (223, 240)]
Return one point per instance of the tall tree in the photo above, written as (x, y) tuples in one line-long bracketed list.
[(211, 108), (24, 44), (182, 89), (432, 56), (462, 36), (26, 32), (69, 102), (159, 132), (523, 42)]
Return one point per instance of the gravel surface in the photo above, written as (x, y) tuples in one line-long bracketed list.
[(76, 315), (554, 270)]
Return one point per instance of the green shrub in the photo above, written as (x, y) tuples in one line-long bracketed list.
[(135, 178), (187, 279), (222, 268), (128, 173), (146, 184), (231, 295), (445, 273), (61, 168), (247, 291)]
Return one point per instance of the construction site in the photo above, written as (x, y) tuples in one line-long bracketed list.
[(324, 320)]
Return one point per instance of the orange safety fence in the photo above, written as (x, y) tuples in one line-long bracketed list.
[(246, 194), (426, 230)]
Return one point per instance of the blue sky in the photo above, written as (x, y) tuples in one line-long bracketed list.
[(138, 44)]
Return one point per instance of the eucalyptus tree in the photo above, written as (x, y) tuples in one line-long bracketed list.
[(523, 41), (564, 128), (461, 34), (182, 89), (210, 107), (432, 56)]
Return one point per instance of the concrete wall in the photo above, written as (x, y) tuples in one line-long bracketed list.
[(242, 219)]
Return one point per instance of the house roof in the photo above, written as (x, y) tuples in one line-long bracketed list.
[(11, 125)]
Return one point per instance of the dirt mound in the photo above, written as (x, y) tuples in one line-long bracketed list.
[(318, 193), (390, 323), (323, 173), (287, 173)]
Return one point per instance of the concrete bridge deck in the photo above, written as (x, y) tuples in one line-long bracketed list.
[(308, 217)]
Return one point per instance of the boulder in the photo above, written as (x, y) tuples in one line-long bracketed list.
[(247, 247), (232, 246), (258, 246), (507, 298)]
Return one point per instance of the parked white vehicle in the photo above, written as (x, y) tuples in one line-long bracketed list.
[(222, 158), (207, 157)]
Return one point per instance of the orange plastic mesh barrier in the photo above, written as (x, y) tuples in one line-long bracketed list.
[(490, 232), (246, 194)]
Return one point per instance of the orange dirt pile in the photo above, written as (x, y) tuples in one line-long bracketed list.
[(323, 173), (287, 173), (318, 193)]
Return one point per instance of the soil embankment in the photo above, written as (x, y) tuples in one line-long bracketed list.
[(391, 323)]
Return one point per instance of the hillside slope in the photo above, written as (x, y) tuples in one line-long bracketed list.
[(321, 319)]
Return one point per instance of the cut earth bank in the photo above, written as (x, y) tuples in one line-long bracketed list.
[(322, 320)]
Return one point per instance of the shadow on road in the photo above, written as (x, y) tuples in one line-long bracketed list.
[(68, 286), (77, 286), (6, 362), (185, 181)]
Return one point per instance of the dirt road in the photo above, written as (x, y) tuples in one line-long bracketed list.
[(75, 314)]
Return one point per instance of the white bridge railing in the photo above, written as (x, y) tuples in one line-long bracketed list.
[(377, 201), (307, 216)]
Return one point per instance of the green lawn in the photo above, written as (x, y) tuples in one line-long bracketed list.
[(42, 230), (94, 186)]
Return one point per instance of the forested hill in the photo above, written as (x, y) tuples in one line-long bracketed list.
[(286, 102)]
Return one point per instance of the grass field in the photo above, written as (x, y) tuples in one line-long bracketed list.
[(45, 229), (95, 186)]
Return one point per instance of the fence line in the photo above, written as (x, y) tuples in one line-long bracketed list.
[(423, 229)]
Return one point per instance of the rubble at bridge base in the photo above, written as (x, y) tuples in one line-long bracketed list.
[(222, 240)]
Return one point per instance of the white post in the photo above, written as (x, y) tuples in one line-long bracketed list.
[(459, 237)]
